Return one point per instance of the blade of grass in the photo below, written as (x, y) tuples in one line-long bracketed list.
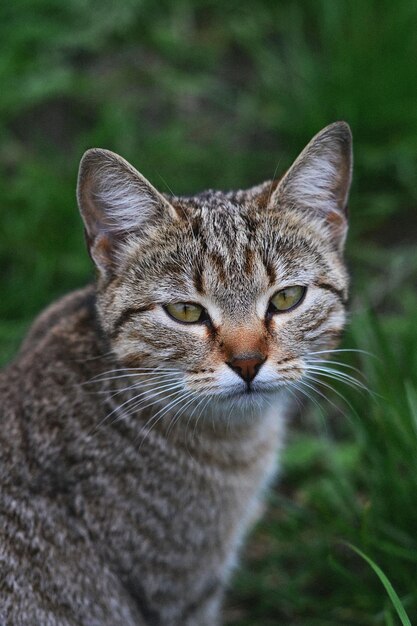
[(405, 621)]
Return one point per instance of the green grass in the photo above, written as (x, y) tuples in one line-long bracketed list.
[(206, 93), (393, 596)]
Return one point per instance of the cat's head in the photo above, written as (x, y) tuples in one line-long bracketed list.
[(232, 293)]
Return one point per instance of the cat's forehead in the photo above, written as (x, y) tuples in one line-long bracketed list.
[(236, 231), (216, 216), (216, 249), (225, 233), (230, 251)]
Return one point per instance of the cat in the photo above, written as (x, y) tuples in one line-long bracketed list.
[(142, 419)]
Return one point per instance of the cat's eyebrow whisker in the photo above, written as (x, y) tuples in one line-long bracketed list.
[(271, 186), (190, 224), (167, 186)]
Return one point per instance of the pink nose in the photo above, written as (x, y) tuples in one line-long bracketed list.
[(247, 366)]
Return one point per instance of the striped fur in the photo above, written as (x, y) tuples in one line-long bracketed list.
[(133, 460)]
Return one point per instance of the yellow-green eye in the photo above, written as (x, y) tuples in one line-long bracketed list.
[(185, 312), (287, 298)]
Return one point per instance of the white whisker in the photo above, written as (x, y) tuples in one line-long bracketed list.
[(132, 409), (132, 375), (336, 375), (159, 391), (148, 381), (327, 386), (335, 350), (332, 362), (203, 408), (144, 385), (146, 395), (131, 372), (164, 410), (181, 412), (318, 392)]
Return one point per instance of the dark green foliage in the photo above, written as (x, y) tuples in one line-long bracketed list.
[(224, 95)]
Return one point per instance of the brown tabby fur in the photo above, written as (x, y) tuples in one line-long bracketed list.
[(132, 458)]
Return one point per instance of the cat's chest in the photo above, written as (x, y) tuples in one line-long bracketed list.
[(171, 494), (170, 518)]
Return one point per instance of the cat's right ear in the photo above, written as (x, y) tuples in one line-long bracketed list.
[(318, 181), (115, 200)]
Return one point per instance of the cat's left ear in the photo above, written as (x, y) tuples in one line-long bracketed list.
[(318, 182), (115, 200)]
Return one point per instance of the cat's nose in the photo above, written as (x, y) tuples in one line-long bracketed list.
[(247, 366)]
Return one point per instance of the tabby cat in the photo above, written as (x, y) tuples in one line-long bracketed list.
[(142, 418)]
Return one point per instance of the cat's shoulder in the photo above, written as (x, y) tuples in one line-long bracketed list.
[(70, 320)]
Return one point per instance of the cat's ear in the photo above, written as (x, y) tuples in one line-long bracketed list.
[(114, 201), (319, 180)]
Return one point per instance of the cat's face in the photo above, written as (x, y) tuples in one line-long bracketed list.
[(231, 293)]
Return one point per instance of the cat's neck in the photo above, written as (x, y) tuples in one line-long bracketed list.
[(221, 434)]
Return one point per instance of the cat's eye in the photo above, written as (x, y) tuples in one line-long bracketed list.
[(186, 312), (287, 299)]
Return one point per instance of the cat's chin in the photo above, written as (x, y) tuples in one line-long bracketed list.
[(246, 400), (252, 393), (248, 394)]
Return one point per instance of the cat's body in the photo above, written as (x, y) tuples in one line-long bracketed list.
[(135, 445), (122, 517)]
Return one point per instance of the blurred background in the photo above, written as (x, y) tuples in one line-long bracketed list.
[(201, 94)]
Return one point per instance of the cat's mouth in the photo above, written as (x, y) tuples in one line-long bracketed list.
[(250, 391), (228, 388)]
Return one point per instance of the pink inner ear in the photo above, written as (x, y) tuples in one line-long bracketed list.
[(337, 222), (101, 251)]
